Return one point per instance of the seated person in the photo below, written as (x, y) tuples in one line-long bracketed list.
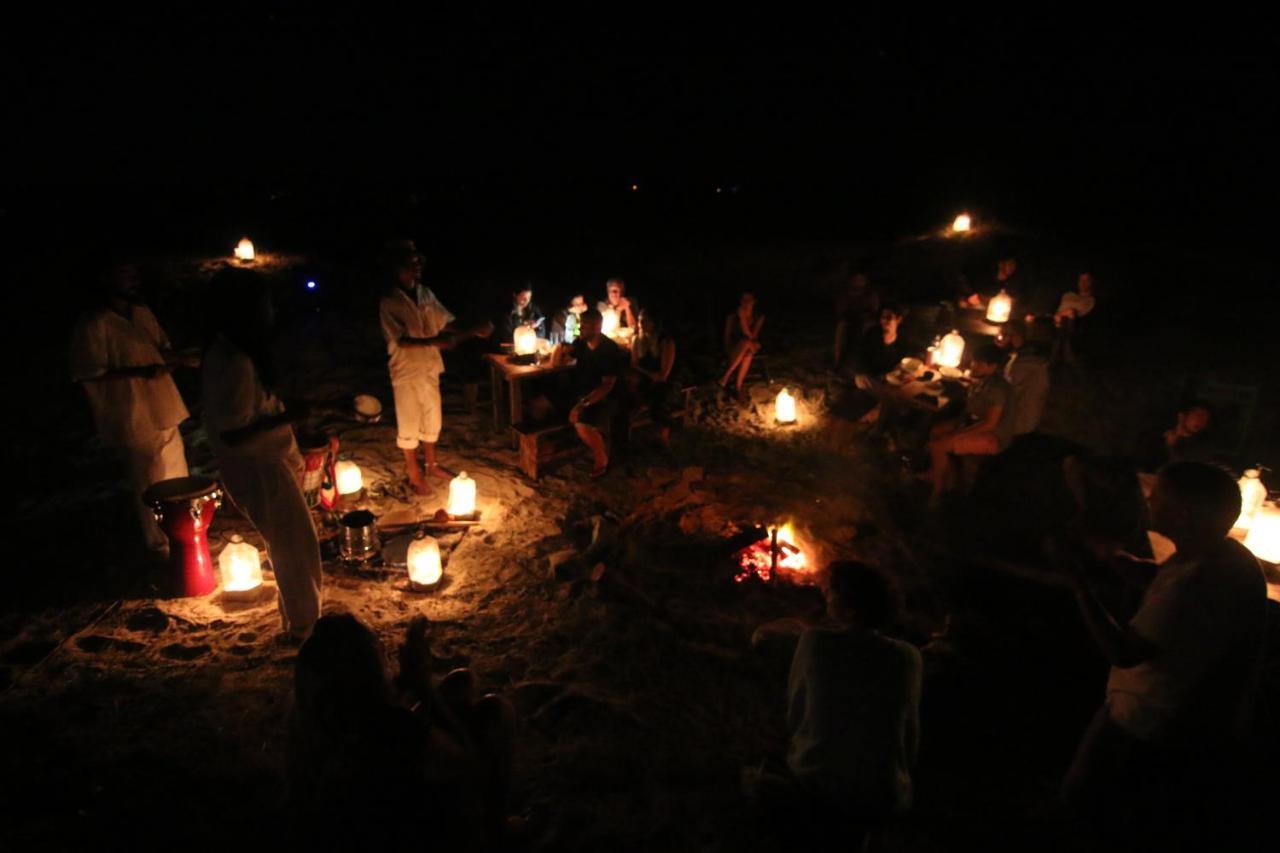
[(1007, 279), (881, 348), (598, 363), (1185, 440), (741, 340), (523, 312), (653, 359), (373, 762), (853, 714), (1027, 372), (986, 428), (565, 322), (1074, 306), (616, 300), (857, 310)]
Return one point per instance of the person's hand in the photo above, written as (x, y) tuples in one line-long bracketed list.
[(624, 304), (485, 330)]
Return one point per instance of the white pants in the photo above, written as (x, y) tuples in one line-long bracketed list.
[(150, 459), (268, 490), (417, 411)]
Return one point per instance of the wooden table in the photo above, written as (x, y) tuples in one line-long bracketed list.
[(513, 376)]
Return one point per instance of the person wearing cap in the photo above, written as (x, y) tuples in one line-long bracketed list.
[(416, 326), (123, 359)]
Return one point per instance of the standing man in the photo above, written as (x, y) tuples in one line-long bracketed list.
[(416, 326), (123, 359), (598, 362)]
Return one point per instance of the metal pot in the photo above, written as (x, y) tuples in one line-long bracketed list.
[(358, 536)]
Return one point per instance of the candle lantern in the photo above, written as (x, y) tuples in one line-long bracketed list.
[(950, 350), (608, 321), (425, 570), (1000, 308), (962, 224), (244, 250), (462, 496), (525, 340), (1264, 534), (784, 407), (1252, 495), (240, 565), (350, 481)]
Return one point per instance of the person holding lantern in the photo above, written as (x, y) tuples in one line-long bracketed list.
[(251, 434), (986, 428), (598, 364), (741, 341), (123, 359), (1177, 721), (623, 308), (416, 327)]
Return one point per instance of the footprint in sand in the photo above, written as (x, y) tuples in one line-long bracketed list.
[(177, 651), (149, 619), (97, 644)]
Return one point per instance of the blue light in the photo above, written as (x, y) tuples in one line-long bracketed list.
[(311, 285)]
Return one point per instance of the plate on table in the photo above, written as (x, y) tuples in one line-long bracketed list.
[(897, 377), (951, 372)]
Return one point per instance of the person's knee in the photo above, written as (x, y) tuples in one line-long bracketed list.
[(458, 688)]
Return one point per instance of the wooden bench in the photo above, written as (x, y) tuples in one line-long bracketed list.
[(542, 445)]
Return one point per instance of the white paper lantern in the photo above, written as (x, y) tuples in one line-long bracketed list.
[(350, 481), (950, 350), (1000, 308), (608, 321), (961, 224), (462, 495), (1264, 534), (244, 250), (1252, 495), (784, 407), (240, 566), (525, 340), (424, 561)]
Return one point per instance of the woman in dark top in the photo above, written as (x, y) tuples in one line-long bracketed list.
[(742, 340), (881, 347), (653, 359)]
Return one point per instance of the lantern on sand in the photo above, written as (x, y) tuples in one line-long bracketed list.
[(962, 224), (784, 407), (462, 496), (609, 321), (1000, 307), (425, 570), (950, 350), (349, 479), (240, 566), (1264, 534), (244, 250), (525, 340), (1252, 495)]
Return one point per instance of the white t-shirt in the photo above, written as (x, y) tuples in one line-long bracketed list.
[(853, 717), (417, 316), (234, 397), (125, 410), (1072, 301), (1207, 617)]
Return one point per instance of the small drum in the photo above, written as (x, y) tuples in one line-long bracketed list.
[(317, 455), (184, 508)]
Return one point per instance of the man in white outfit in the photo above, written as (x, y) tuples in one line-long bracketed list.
[(416, 326), (252, 435), (123, 359)]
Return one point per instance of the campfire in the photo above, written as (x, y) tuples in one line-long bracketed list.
[(778, 550)]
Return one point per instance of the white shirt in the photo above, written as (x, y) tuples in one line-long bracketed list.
[(853, 717), (417, 316), (1207, 617), (1077, 302), (234, 397), (125, 410)]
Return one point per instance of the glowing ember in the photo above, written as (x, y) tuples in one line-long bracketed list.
[(758, 558)]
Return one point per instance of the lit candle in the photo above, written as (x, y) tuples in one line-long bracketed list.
[(462, 495), (961, 224), (950, 350), (525, 340), (240, 566), (1000, 308), (1264, 534), (424, 561), (244, 250), (784, 407), (349, 478), (608, 322)]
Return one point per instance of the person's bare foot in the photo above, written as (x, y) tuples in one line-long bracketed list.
[(420, 485), (440, 471), (600, 470)]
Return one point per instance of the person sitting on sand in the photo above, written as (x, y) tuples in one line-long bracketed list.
[(1185, 440), (853, 716), (857, 310), (653, 360), (523, 312), (371, 760), (741, 341), (1074, 306), (616, 300), (986, 427), (251, 435), (598, 364), (1027, 372), (1178, 717)]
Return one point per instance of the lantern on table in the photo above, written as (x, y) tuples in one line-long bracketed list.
[(525, 340), (950, 350), (240, 566), (350, 480), (961, 224), (462, 496), (1264, 534), (244, 250), (423, 560), (1000, 307), (784, 408), (609, 321), (1252, 495)]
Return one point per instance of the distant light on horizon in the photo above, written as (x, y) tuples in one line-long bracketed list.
[(962, 223), (311, 285), (635, 187)]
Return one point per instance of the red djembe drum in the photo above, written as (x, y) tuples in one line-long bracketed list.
[(184, 508)]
